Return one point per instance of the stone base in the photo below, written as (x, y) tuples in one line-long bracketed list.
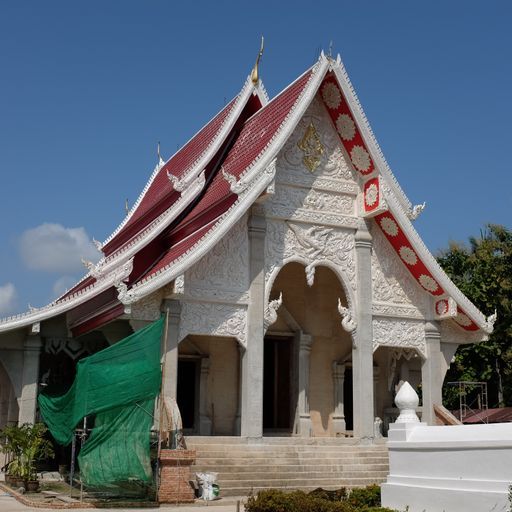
[(339, 425), (305, 428), (175, 476)]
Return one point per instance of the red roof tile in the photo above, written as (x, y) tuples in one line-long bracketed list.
[(254, 136), (160, 188), (495, 415)]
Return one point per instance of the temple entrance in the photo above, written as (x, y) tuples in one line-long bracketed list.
[(348, 402), (305, 373), (187, 392), (277, 370)]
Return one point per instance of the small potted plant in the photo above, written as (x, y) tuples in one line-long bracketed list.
[(34, 448), (10, 444)]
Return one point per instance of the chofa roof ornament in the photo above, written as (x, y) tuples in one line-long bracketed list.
[(254, 73)]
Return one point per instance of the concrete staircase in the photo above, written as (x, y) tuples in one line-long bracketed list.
[(288, 463)]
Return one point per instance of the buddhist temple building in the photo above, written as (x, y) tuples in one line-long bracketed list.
[(283, 251)]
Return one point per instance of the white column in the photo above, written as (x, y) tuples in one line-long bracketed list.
[(338, 418), (376, 378), (362, 354), (431, 374), (13, 411), (305, 342), (170, 352), (205, 423), (252, 361), (4, 402), (238, 417), (28, 400)]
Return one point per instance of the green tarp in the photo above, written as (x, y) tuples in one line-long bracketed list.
[(118, 449), (118, 385)]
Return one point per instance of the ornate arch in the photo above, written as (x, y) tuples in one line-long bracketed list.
[(347, 315)]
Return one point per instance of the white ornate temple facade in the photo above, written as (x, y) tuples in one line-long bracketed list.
[(283, 250)]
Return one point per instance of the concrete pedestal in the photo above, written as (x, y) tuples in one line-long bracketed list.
[(175, 475)]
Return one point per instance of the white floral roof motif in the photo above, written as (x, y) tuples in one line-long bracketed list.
[(371, 194), (346, 127), (331, 95)]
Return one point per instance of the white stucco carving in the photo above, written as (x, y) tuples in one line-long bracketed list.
[(333, 163), (392, 284), (452, 333), (271, 311), (310, 245), (291, 199), (308, 216), (348, 321), (124, 295), (148, 308), (224, 269), (396, 310), (389, 332), (214, 320), (326, 196), (416, 210)]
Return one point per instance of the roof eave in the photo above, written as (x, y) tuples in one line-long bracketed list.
[(433, 266)]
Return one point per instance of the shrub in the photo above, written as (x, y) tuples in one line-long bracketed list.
[(279, 501), (319, 500), (337, 495), (365, 497)]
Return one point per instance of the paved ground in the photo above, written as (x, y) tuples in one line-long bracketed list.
[(9, 504)]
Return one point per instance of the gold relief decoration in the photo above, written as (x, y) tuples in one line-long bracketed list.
[(312, 147)]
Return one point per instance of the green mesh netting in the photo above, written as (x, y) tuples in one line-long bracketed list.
[(118, 385), (118, 449)]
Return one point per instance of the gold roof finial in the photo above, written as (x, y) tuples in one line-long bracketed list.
[(126, 207), (254, 73)]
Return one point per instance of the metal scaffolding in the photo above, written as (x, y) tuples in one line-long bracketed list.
[(473, 399)]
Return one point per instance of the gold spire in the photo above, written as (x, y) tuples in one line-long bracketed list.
[(126, 207), (254, 73)]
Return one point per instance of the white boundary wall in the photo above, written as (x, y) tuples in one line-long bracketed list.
[(460, 468)]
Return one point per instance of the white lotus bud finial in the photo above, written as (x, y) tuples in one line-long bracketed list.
[(407, 400)]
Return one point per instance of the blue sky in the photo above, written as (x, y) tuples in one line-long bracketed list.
[(88, 88)]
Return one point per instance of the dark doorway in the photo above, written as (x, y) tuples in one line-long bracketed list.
[(187, 392), (277, 383), (348, 400)]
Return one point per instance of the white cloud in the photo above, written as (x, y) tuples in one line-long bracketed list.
[(54, 248), (7, 298), (63, 284)]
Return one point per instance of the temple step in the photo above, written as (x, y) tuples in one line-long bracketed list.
[(245, 466)]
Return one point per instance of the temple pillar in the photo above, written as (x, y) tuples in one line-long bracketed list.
[(431, 375), (30, 376), (305, 342), (376, 378), (362, 353), (170, 347), (339, 425), (4, 404), (205, 422), (252, 361), (13, 410), (238, 416)]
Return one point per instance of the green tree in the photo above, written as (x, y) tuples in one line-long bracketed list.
[(483, 272)]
